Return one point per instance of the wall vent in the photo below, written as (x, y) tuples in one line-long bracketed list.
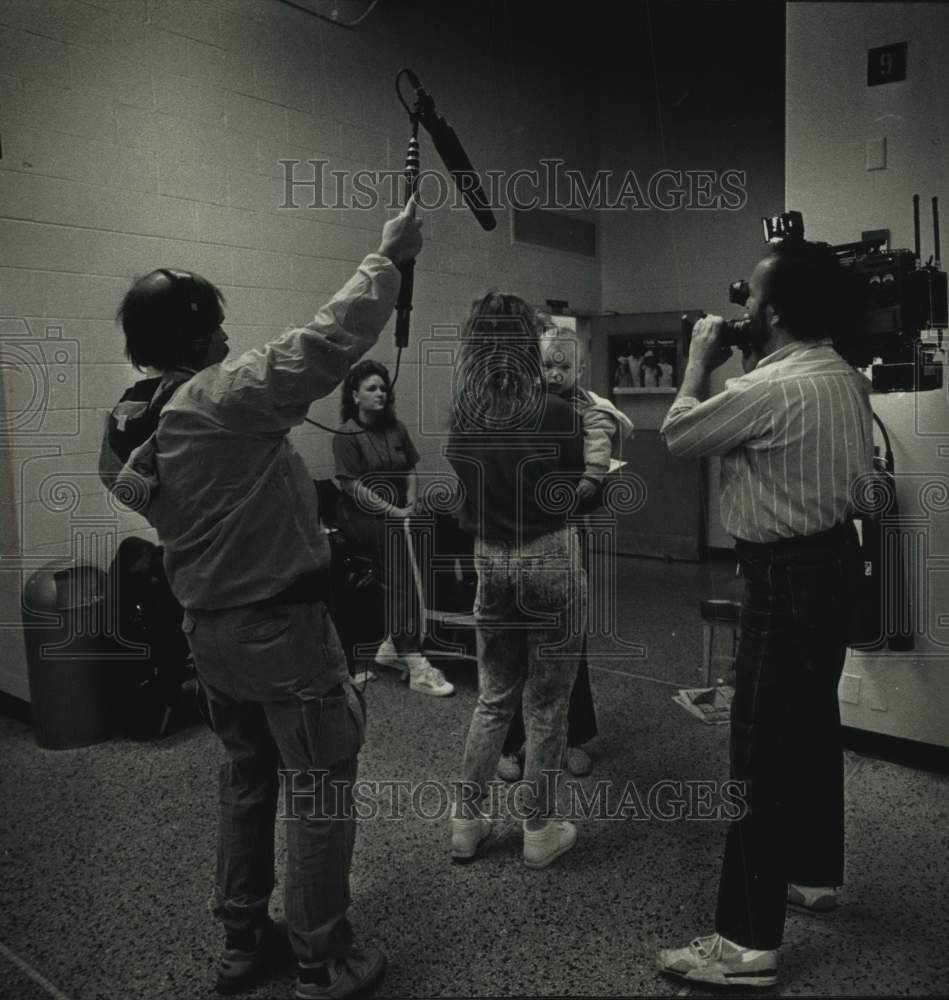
[(541, 227)]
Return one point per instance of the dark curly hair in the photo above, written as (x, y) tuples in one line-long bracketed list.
[(348, 410)]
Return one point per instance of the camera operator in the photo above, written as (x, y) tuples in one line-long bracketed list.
[(235, 508), (794, 433)]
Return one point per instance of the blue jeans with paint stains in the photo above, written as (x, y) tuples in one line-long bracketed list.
[(531, 615)]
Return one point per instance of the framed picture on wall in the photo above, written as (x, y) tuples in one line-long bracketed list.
[(644, 363)]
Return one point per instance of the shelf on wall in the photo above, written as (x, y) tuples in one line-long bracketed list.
[(671, 521)]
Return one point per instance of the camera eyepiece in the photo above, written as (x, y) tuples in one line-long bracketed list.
[(738, 292)]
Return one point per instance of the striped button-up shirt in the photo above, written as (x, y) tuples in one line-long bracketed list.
[(793, 435)]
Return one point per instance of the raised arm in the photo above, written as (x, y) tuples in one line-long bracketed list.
[(718, 425), (274, 386)]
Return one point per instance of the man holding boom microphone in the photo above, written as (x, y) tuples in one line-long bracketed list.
[(235, 509), (794, 434)]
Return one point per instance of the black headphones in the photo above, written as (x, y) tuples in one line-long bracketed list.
[(192, 315)]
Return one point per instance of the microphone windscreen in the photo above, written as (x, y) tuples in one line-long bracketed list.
[(466, 178)]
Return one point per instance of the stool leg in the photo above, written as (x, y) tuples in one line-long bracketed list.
[(707, 647)]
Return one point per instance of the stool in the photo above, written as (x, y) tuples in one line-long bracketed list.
[(717, 612)]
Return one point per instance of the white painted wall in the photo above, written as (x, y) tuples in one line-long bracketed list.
[(146, 133), (831, 114)]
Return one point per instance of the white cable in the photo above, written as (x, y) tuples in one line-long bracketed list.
[(333, 20), (32, 974)]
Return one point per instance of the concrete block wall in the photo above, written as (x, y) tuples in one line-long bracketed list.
[(691, 101), (146, 133), (832, 114)]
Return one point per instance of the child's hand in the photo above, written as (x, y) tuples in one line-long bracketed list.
[(585, 489)]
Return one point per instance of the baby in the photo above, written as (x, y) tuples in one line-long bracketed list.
[(564, 363)]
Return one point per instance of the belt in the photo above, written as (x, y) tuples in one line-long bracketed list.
[(305, 589), (830, 539)]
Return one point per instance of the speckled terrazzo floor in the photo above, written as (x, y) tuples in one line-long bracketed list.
[(107, 854)]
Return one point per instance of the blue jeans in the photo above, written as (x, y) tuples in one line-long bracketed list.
[(531, 616), (281, 702), (785, 731)]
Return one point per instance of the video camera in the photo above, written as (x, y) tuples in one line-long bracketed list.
[(899, 298)]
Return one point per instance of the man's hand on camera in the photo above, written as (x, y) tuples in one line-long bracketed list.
[(707, 349), (402, 236)]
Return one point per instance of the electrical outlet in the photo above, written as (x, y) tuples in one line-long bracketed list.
[(876, 698), (850, 689), (876, 154)]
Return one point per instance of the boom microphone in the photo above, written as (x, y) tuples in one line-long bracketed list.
[(449, 148)]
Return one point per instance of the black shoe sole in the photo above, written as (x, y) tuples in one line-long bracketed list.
[(712, 985)]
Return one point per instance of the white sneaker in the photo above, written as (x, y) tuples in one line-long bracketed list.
[(466, 835), (543, 846), (717, 960), (388, 656), (425, 678)]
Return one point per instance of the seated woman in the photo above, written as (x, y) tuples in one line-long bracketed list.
[(518, 454), (375, 468)]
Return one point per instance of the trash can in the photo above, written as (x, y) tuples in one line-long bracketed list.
[(63, 609)]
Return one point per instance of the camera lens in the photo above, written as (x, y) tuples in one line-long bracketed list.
[(738, 334)]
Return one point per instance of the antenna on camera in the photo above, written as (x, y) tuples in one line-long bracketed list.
[(936, 230), (916, 224)]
